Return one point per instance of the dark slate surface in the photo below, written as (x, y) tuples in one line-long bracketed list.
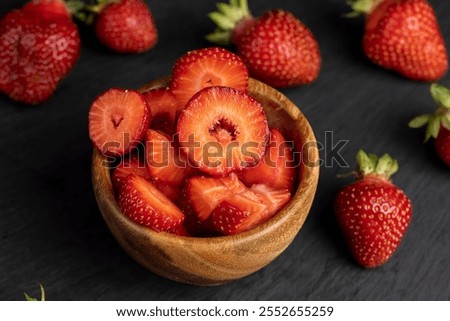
[(51, 230)]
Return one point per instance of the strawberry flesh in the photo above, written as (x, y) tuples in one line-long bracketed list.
[(237, 214), (164, 162), (163, 108), (205, 68), (131, 164), (222, 130), (145, 204), (276, 168), (118, 121)]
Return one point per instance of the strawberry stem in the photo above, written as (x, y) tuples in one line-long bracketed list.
[(362, 7), (29, 298), (226, 18), (441, 117), (368, 164)]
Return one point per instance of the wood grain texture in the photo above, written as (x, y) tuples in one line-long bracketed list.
[(217, 260)]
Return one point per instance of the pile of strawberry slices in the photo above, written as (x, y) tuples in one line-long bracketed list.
[(196, 158)]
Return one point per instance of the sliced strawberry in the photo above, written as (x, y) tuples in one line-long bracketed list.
[(275, 199), (144, 204), (204, 68), (130, 164), (118, 120), (172, 192), (237, 214), (163, 107), (233, 183), (203, 194), (276, 169), (222, 130), (164, 162)]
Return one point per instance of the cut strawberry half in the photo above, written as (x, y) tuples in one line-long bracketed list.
[(163, 108), (202, 194), (164, 162), (237, 214), (144, 204), (222, 130), (130, 164), (275, 199), (276, 168), (118, 120), (205, 68), (172, 192), (233, 183)]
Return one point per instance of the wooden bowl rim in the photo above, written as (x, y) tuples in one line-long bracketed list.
[(105, 190)]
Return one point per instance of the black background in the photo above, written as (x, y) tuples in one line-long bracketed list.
[(51, 230)]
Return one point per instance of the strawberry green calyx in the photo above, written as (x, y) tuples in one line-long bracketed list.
[(228, 18), (370, 164), (441, 95), (29, 298), (86, 12), (362, 7)]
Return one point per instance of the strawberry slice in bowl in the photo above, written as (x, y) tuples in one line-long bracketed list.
[(207, 67), (222, 130), (118, 121)]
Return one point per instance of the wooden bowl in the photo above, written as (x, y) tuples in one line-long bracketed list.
[(216, 260)]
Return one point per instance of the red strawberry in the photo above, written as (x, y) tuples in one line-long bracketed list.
[(276, 47), (171, 191), (125, 26), (438, 124), (202, 194), (39, 45), (275, 199), (163, 107), (144, 204), (118, 121), (222, 130), (131, 164), (205, 68), (237, 214), (404, 36), (373, 213), (164, 162), (276, 168)]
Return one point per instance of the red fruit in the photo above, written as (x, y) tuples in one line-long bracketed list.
[(172, 192), (404, 36), (126, 26), (276, 168), (205, 68), (118, 121), (222, 130), (275, 199), (373, 213), (164, 162), (233, 183), (39, 45), (202, 194), (276, 47), (163, 107), (131, 164), (237, 214), (438, 124), (144, 204), (442, 145)]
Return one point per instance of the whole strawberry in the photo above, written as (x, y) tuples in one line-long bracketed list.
[(438, 124), (276, 47), (403, 36), (372, 212), (125, 26), (39, 45)]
